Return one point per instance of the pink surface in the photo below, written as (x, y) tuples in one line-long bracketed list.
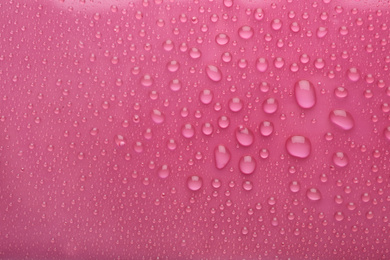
[(194, 130)]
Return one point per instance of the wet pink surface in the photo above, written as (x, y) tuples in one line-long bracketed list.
[(194, 130)]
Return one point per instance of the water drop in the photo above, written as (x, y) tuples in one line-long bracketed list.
[(222, 156), (163, 172), (259, 14), (157, 116), (206, 96), (342, 119), (247, 164), (261, 64), (353, 74), (270, 105), (213, 73), (313, 194), (298, 146), (305, 94), (194, 183), (244, 136), (222, 39), (235, 104), (266, 128), (245, 32), (120, 140), (294, 186), (188, 131), (340, 159)]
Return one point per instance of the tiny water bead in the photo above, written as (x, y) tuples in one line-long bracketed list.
[(313, 194), (221, 156), (194, 183), (244, 136), (342, 119), (247, 164), (213, 73), (305, 94), (340, 159), (246, 32), (298, 146)]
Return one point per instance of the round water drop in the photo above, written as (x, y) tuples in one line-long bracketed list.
[(245, 32), (298, 146), (222, 156), (173, 66), (270, 105), (322, 32), (213, 73), (313, 194), (157, 116), (247, 164), (175, 85), (195, 53), (206, 96), (342, 119), (305, 94), (146, 80), (164, 171), (194, 183), (247, 185), (222, 39), (294, 186), (228, 3), (244, 136), (120, 140), (340, 159), (341, 92), (339, 216), (235, 104), (223, 122), (207, 129), (266, 128), (188, 131), (276, 24), (261, 64), (353, 74)]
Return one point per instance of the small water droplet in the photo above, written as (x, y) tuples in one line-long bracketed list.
[(222, 39), (120, 140), (340, 159), (244, 136), (164, 171), (270, 105), (206, 96), (266, 128), (245, 32), (261, 64), (213, 73), (313, 194)]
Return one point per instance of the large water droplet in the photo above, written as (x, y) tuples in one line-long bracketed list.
[(353, 74), (342, 119), (213, 73), (164, 171), (188, 131), (157, 116), (244, 136), (313, 194), (305, 94), (194, 183), (222, 156), (235, 104), (298, 146), (294, 186), (247, 164), (206, 96)]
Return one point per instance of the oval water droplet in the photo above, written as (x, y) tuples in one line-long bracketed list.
[(157, 116), (222, 156), (353, 74), (298, 146), (244, 136), (294, 186), (235, 104), (164, 171), (206, 96), (188, 131), (342, 119), (313, 194), (213, 73), (261, 64), (222, 39), (247, 164), (194, 183), (305, 94)]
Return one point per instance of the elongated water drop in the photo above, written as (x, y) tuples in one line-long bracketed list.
[(342, 119), (213, 73), (298, 146), (305, 94), (222, 156)]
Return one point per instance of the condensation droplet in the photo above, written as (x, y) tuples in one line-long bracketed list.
[(247, 164), (298, 146), (222, 156), (342, 119), (305, 94)]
